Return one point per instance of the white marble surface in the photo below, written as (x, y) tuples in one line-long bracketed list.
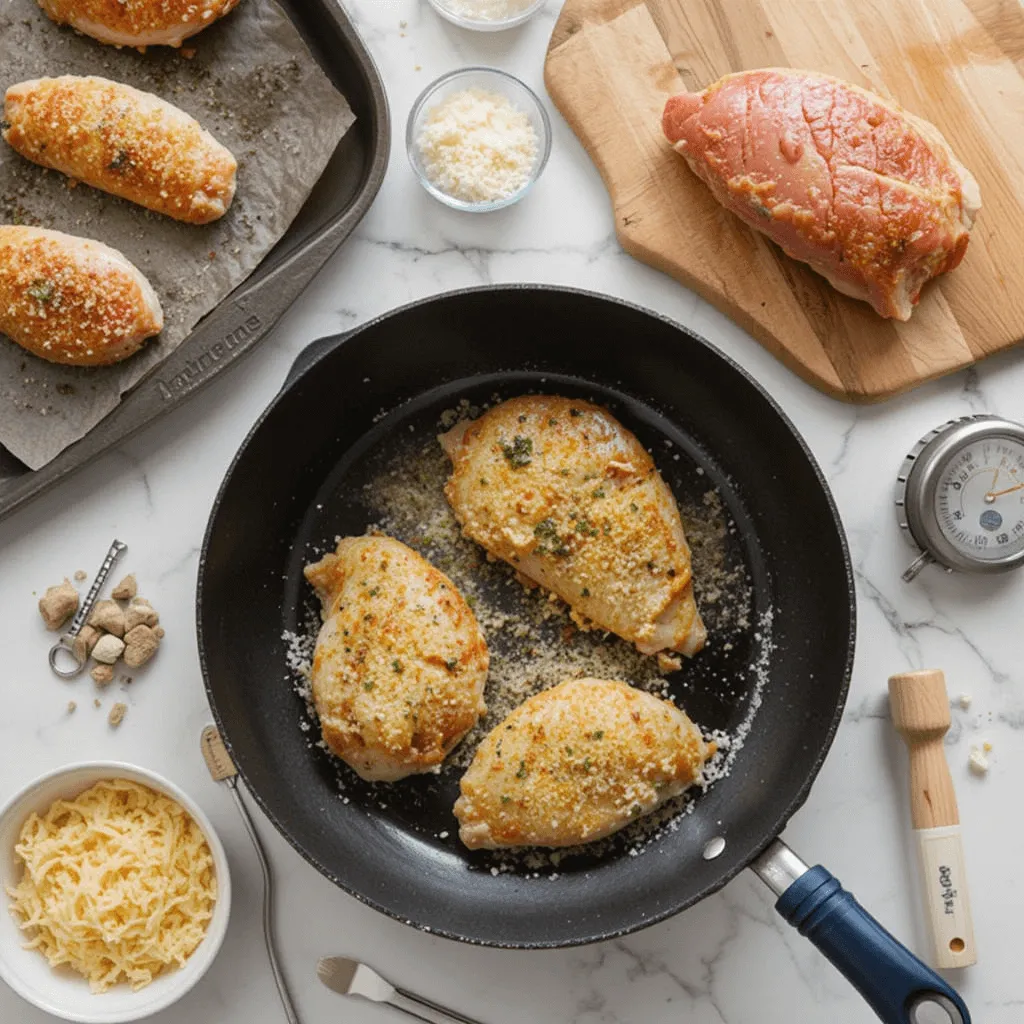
[(730, 959)]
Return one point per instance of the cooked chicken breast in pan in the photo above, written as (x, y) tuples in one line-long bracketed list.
[(869, 195), (562, 491), (138, 22), (400, 663), (73, 300), (576, 763), (123, 141)]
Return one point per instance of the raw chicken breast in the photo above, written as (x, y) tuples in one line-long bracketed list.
[(869, 195), (138, 22), (576, 763), (561, 490), (400, 663)]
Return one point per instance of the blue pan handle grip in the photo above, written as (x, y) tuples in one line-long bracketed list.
[(897, 986)]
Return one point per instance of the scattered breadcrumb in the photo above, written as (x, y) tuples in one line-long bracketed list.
[(80, 574), (58, 604), (117, 713), (96, 702), (126, 589), (71, 706), (978, 762), (103, 675)]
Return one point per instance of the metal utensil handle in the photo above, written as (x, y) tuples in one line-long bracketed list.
[(268, 905), (425, 1010), (895, 984), (115, 552)]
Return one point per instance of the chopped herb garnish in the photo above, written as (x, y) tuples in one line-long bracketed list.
[(670, 573), (397, 666), (564, 472), (4, 125), (374, 591), (597, 734), (483, 481), (568, 750), (42, 290), (634, 507), (585, 592), (518, 452), (760, 208), (586, 527), (552, 422), (586, 764), (550, 543), (451, 664), (574, 413), (522, 417), (599, 492), (521, 774), (637, 809), (506, 799), (368, 685), (121, 161)]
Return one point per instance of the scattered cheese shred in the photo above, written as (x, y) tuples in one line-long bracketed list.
[(119, 884), (477, 146)]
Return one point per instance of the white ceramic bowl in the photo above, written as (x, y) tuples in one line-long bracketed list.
[(487, 24), (490, 80), (63, 992)]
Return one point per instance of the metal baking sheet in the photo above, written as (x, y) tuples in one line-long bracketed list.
[(337, 203)]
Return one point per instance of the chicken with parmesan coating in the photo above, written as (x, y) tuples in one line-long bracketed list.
[(576, 763), (126, 142), (400, 662), (138, 22), (559, 489), (73, 300)]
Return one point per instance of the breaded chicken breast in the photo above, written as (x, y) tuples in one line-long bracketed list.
[(73, 300), (126, 142), (138, 22), (562, 491), (400, 663), (576, 763)]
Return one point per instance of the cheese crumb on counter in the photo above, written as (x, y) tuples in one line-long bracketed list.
[(965, 700), (978, 762), (477, 146)]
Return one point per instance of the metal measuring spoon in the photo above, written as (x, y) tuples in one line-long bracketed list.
[(66, 643)]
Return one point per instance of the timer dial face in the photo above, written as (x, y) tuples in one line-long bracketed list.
[(979, 501)]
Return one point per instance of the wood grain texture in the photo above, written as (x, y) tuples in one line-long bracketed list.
[(920, 712), (612, 64)]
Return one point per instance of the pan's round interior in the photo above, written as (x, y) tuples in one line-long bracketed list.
[(298, 482)]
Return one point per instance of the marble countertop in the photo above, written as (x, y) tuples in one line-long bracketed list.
[(731, 958)]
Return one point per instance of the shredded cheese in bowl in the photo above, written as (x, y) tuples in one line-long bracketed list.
[(118, 884)]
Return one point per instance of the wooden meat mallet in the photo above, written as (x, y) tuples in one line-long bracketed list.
[(920, 712)]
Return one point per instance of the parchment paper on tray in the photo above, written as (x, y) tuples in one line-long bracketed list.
[(252, 83)]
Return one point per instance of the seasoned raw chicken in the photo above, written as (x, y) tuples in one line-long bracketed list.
[(562, 491), (138, 22), (400, 663), (123, 141), (869, 195), (72, 300), (576, 763)]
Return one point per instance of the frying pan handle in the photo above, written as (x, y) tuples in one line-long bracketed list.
[(313, 352), (897, 986)]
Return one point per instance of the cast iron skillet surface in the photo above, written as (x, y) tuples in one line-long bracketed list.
[(297, 483)]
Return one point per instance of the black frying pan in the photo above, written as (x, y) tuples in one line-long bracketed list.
[(297, 482)]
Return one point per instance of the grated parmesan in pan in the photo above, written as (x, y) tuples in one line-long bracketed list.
[(119, 884)]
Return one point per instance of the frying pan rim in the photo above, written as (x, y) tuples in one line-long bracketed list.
[(327, 345)]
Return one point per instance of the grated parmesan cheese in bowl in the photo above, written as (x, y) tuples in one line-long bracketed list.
[(478, 139), (487, 15), (150, 885)]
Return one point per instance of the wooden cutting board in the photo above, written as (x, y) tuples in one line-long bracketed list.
[(959, 63)]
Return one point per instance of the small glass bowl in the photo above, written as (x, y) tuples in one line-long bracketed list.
[(491, 80), (487, 24)]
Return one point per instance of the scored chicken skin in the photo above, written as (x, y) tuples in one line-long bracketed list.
[(400, 662), (138, 22), (576, 763), (869, 195), (561, 490)]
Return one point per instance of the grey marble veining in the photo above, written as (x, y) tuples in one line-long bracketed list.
[(730, 959)]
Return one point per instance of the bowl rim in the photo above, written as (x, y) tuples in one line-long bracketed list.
[(487, 24), (216, 929), (410, 140)]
